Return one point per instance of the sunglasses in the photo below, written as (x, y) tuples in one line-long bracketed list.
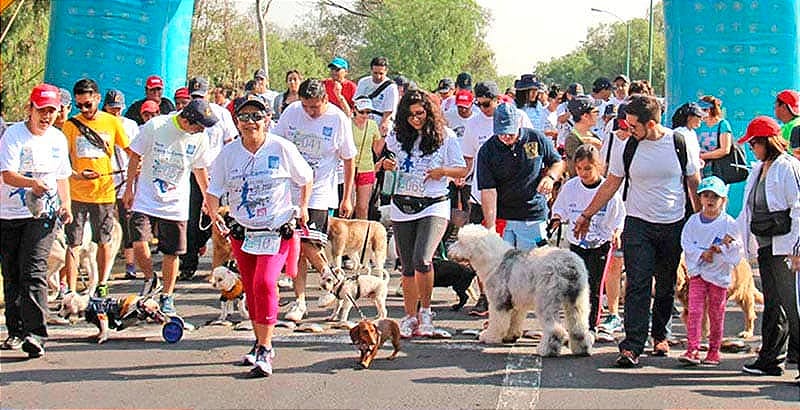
[(364, 112), (251, 116), (418, 114), (485, 104), (86, 105)]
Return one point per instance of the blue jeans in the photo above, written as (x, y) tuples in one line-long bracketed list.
[(525, 235), (651, 251)]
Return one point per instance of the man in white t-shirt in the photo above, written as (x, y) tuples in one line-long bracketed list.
[(323, 134), (221, 133), (655, 217), (168, 148), (565, 122), (446, 90), (621, 84), (384, 102), (601, 92), (261, 86), (458, 118)]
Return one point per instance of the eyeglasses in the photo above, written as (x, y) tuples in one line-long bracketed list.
[(753, 142), (86, 105), (154, 89), (419, 114), (364, 112), (251, 116), (485, 104)]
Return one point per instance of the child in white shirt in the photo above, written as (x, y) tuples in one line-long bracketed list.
[(712, 247)]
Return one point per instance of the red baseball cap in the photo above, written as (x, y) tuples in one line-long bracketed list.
[(150, 106), (464, 98), (792, 100), (154, 81), (182, 92), (761, 126), (46, 95)]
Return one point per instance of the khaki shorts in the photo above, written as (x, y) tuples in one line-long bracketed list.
[(99, 216), (171, 234)]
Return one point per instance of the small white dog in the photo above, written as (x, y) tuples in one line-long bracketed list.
[(375, 287), (546, 279), (231, 290), (110, 313)]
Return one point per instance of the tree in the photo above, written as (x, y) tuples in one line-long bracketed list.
[(602, 54), (23, 56)]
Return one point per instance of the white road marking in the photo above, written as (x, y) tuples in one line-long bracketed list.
[(523, 376)]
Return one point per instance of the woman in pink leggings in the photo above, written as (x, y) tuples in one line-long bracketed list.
[(712, 246), (258, 172)]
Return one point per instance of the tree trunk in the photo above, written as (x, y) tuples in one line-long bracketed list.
[(262, 32)]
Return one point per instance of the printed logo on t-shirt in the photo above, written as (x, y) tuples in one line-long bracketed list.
[(531, 149), (273, 162), (327, 131), (190, 148)]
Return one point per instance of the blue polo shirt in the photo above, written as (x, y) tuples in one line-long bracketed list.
[(515, 171)]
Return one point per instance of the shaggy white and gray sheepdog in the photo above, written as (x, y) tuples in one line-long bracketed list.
[(545, 280)]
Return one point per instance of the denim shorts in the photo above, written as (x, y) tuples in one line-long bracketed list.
[(525, 235)]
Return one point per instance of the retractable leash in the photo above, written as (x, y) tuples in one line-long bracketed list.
[(360, 313)]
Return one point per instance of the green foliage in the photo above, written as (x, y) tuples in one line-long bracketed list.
[(602, 54), (443, 48), (23, 55), (224, 48)]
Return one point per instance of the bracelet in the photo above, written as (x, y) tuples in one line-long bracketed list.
[(550, 176), (585, 216)]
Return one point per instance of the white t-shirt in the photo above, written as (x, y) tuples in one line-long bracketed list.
[(259, 185), (698, 236), (44, 157), (384, 102), (456, 122), (574, 198), (121, 158), (449, 104), (412, 170), (656, 192), (478, 130), (222, 132), (168, 155), (617, 147), (692, 143), (322, 142), (564, 128)]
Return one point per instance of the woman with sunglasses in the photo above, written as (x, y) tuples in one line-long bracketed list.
[(257, 172), (715, 134), (773, 188), (427, 156), (368, 140)]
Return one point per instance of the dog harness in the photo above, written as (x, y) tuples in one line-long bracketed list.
[(118, 311), (236, 292), (337, 289)]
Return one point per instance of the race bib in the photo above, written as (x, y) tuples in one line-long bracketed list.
[(412, 184), (261, 242), (86, 149)]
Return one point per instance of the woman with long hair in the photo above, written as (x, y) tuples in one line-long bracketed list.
[(427, 155), (293, 80), (715, 134), (770, 221)]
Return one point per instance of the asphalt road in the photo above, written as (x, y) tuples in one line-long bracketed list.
[(135, 368)]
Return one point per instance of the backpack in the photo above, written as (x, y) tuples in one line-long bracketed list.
[(732, 167), (680, 150)]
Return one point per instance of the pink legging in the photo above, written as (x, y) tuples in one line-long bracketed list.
[(700, 294), (260, 278)]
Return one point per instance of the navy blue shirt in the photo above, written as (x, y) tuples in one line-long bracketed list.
[(515, 171)]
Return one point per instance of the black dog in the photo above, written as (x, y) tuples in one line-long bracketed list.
[(449, 273)]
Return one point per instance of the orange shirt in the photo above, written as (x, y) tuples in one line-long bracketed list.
[(84, 155)]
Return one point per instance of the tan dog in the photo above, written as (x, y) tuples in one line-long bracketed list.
[(742, 290), (347, 237), (222, 245), (369, 336)]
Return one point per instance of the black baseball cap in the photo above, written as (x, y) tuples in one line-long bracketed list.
[(575, 89), (580, 105), (445, 84), (200, 112), (198, 87), (464, 81), (600, 84), (114, 99), (487, 89), (254, 100)]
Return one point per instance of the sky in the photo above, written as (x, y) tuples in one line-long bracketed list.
[(559, 24)]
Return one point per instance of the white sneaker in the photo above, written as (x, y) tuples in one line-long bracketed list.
[(327, 299), (425, 328), (286, 283), (297, 311), (408, 326)]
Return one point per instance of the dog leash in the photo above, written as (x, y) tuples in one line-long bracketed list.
[(364, 248), (360, 313)]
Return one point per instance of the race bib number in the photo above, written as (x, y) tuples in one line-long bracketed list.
[(86, 149), (410, 184), (261, 242)]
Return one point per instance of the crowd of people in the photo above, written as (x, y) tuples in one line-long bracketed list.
[(521, 162)]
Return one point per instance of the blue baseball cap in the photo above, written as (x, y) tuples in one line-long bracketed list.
[(339, 62), (506, 119), (713, 184)]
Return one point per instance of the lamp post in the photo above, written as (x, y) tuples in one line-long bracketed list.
[(650, 48), (628, 52)]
